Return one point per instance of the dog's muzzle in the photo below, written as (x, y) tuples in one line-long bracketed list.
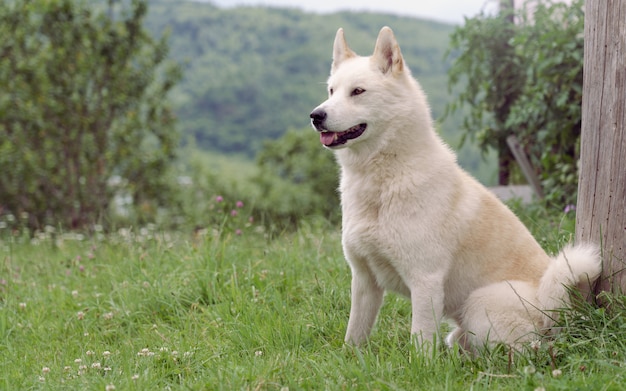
[(318, 117), (331, 139)]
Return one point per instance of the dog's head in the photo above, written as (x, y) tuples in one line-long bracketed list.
[(359, 90)]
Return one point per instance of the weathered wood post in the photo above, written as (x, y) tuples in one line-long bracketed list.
[(601, 209)]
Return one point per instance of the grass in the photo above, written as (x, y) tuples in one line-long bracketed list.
[(147, 310)]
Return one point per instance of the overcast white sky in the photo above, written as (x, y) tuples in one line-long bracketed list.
[(451, 11)]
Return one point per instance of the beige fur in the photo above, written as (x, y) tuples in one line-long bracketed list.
[(415, 223)]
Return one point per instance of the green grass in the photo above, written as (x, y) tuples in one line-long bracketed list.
[(146, 310)]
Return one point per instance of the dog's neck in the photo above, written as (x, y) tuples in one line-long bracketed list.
[(420, 147)]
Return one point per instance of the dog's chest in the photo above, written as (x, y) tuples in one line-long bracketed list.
[(365, 249), (394, 223), (383, 238)]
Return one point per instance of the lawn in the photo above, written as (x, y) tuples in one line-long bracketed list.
[(143, 309)]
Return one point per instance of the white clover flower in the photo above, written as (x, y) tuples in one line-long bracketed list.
[(145, 352)]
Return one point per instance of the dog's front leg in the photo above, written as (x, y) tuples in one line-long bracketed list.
[(367, 297), (427, 306)]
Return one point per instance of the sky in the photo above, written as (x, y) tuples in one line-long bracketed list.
[(450, 11)]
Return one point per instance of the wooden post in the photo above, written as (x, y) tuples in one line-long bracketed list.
[(601, 210)]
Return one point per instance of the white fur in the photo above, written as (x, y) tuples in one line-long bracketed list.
[(414, 222)]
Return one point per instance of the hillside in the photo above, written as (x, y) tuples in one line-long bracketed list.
[(251, 73)]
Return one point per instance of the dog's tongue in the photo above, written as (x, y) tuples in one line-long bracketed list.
[(327, 138)]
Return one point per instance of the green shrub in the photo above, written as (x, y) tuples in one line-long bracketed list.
[(297, 179), (528, 84), (84, 100)]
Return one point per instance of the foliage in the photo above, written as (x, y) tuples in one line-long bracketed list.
[(144, 309), (547, 115), (293, 181), (493, 75), (83, 102), (297, 179), (531, 87)]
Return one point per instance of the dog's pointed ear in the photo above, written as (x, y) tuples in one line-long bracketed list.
[(387, 55), (341, 51)]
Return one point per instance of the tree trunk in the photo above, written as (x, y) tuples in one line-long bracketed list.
[(601, 211), (508, 95)]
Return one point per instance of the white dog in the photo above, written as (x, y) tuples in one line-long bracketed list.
[(415, 223)]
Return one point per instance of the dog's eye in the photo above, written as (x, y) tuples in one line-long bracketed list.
[(331, 91), (357, 91)]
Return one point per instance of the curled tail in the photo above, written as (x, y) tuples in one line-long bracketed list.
[(572, 266)]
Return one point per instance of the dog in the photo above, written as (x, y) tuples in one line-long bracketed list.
[(415, 223)]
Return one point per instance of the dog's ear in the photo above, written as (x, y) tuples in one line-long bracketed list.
[(387, 55), (341, 51)]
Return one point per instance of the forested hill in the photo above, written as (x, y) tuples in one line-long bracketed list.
[(251, 73)]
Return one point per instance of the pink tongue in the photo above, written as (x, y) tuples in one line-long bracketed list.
[(327, 138)]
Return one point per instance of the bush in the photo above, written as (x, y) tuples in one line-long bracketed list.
[(297, 179), (83, 102), (525, 79)]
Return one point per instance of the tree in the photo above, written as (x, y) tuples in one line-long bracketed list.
[(83, 101), (547, 113), (487, 62), (525, 79), (601, 210)]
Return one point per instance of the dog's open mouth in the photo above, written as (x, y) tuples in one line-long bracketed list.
[(332, 139)]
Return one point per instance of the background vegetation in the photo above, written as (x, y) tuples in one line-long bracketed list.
[(99, 140), (82, 114), (251, 73), (89, 132), (525, 79)]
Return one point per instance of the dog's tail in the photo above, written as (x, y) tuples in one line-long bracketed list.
[(574, 265)]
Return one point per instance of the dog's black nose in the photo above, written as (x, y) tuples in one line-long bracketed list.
[(318, 116)]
